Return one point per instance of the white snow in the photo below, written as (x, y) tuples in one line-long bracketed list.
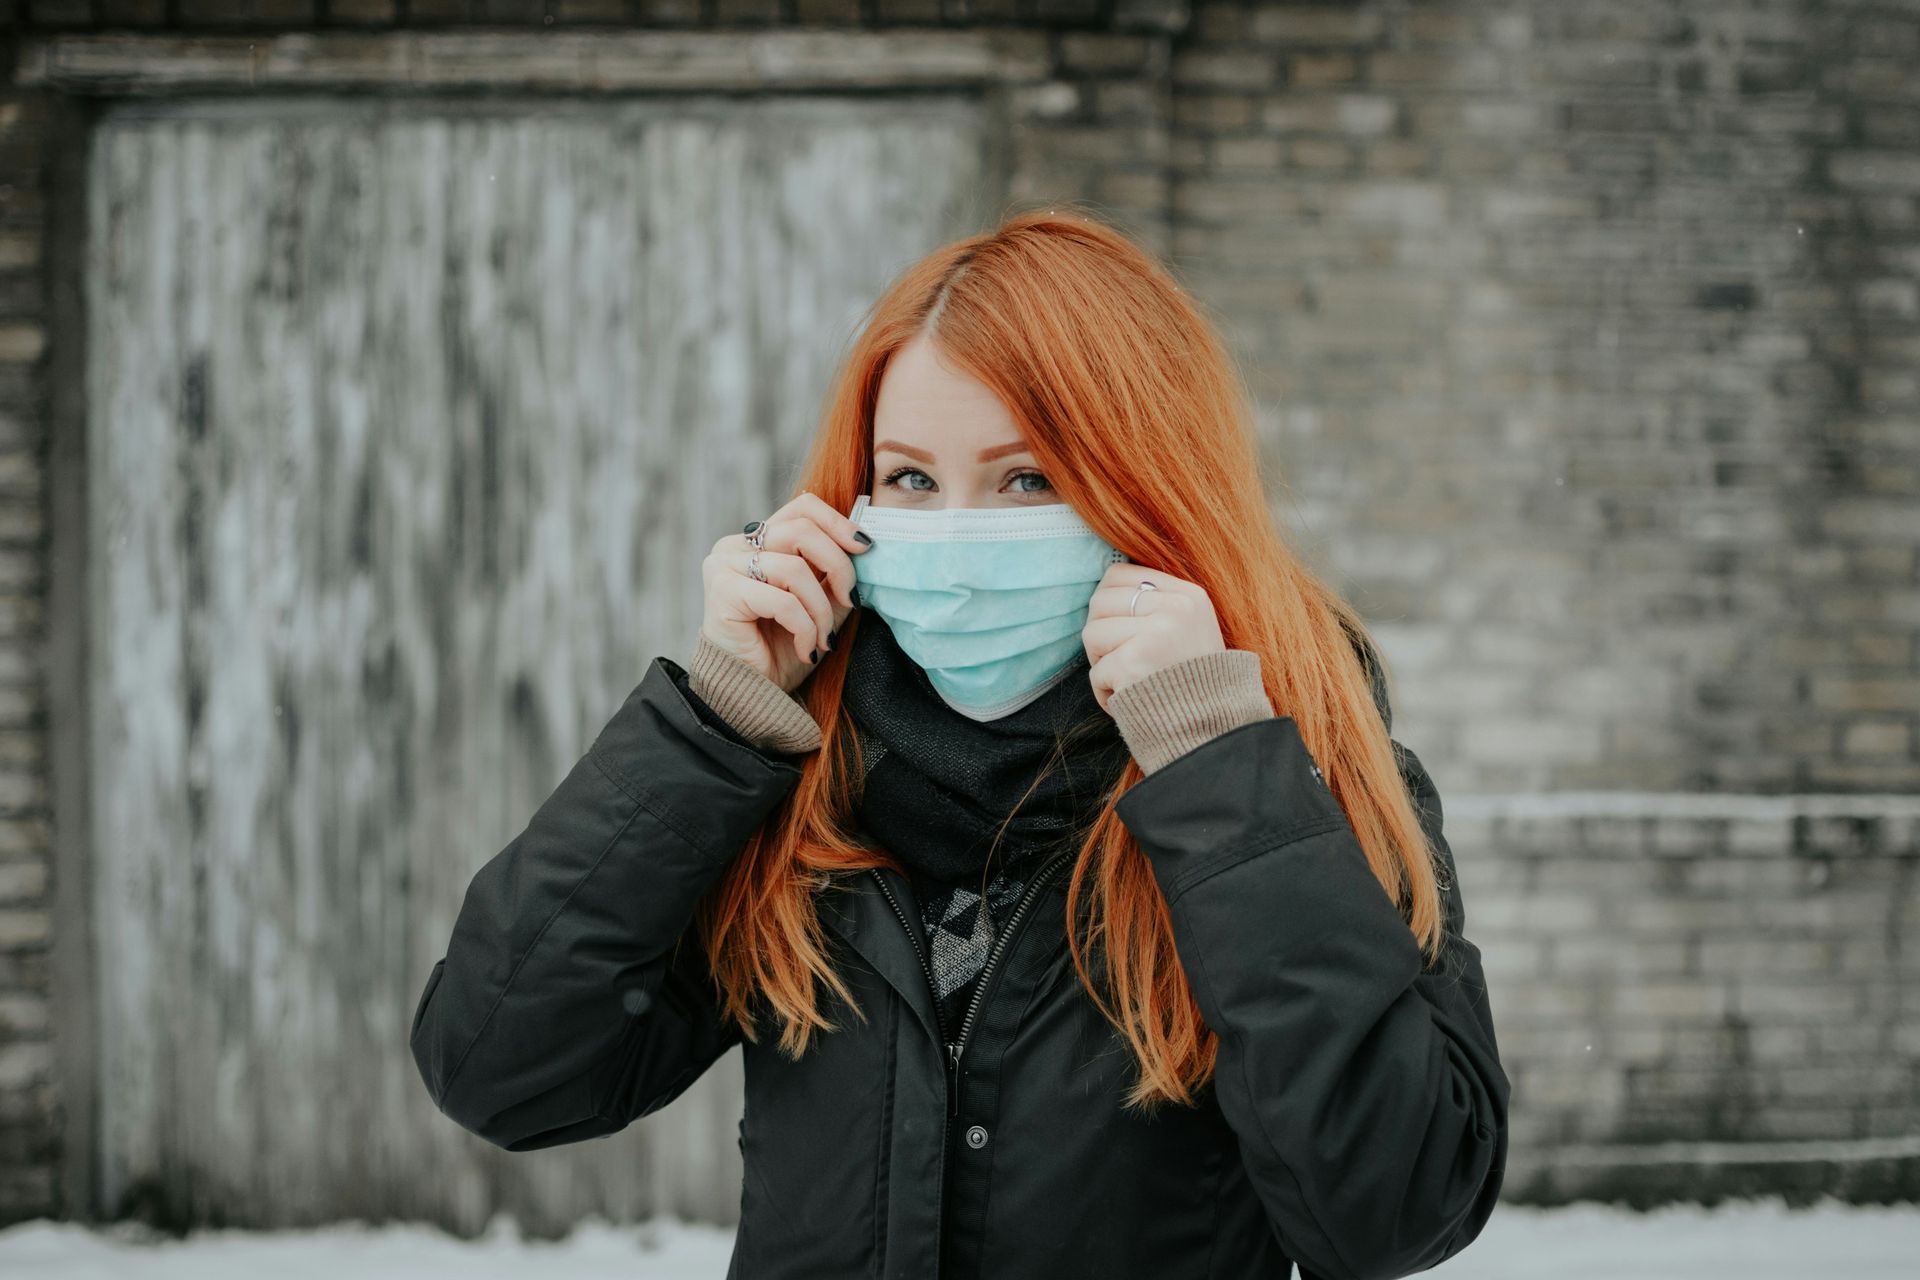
[(660, 1250), (1747, 1239), (1751, 1240)]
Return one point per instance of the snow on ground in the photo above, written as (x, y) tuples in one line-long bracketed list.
[(1751, 1240)]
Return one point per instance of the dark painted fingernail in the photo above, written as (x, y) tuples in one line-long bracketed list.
[(813, 655), (831, 636), (860, 536)]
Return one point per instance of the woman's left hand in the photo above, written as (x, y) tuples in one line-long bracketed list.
[(1174, 621)]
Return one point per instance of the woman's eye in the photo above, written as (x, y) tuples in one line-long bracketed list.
[(894, 479), (1033, 475)]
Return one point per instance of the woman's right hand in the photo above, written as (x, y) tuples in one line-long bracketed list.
[(780, 626)]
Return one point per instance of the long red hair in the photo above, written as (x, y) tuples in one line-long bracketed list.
[(1136, 414)]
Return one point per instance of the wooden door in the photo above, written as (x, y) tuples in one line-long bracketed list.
[(408, 425)]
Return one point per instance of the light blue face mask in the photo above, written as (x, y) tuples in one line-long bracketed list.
[(989, 601)]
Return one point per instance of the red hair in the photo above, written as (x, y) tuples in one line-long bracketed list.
[(1137, 416)]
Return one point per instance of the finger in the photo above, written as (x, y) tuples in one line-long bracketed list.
[(837, 524), (739, 598), (826, 556), (781, 607), (1103, 675), (796, 575), (1121, 667), (1127, 573), (1115, 592), (1102, 636), (1121, 601)]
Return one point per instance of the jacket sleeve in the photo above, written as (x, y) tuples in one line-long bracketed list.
[(573, 997), (1365, 1088)]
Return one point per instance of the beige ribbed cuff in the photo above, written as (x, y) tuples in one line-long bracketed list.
[(1195, 700), (764, 713)]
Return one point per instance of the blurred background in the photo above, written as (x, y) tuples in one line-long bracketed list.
[(374, 375)]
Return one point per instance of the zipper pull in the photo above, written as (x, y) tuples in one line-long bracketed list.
[(953, 1077)]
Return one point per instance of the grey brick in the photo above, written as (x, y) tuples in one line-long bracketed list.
[(24, 927), (1300, 25), (1224, 68)]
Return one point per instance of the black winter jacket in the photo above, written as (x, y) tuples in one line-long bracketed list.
[(1356, 1122)]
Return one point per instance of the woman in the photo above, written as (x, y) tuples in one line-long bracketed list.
[(1075, 912)]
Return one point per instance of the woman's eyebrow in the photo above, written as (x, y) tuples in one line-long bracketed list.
[(986, 455)]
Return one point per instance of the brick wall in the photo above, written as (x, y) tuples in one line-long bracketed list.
[(1586, 335), (29, 1128), (1711, 995), (1584, 339)]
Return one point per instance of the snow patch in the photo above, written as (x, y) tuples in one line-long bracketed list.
[(1751, 1239)]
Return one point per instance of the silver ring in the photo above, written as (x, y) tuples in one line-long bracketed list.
[(1133, 605), (753, 567), (759, 536)]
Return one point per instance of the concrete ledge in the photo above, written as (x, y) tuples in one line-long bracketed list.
[(1867, 1171), (626, 61), (1682, 804)]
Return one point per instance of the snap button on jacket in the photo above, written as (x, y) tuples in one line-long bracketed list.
[(1356, 1124)]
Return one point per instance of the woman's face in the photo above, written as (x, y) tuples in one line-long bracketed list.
[(943, 439)]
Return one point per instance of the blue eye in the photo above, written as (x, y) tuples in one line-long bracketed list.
[(1040, 488), (893, 479)]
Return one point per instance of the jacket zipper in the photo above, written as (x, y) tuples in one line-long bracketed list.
[(1000, 944), (926, 967), (956, 1046)]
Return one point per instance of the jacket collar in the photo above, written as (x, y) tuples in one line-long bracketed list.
[(854, 906)]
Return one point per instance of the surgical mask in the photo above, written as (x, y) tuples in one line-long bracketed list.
[(988, 601)]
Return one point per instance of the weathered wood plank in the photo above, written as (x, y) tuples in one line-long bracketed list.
[(408, 432), (681, 61)]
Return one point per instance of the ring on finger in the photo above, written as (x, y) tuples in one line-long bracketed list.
[(756, 531), (1133, 605), (753, 567)]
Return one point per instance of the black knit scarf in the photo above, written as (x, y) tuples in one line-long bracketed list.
[(939, 785)]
